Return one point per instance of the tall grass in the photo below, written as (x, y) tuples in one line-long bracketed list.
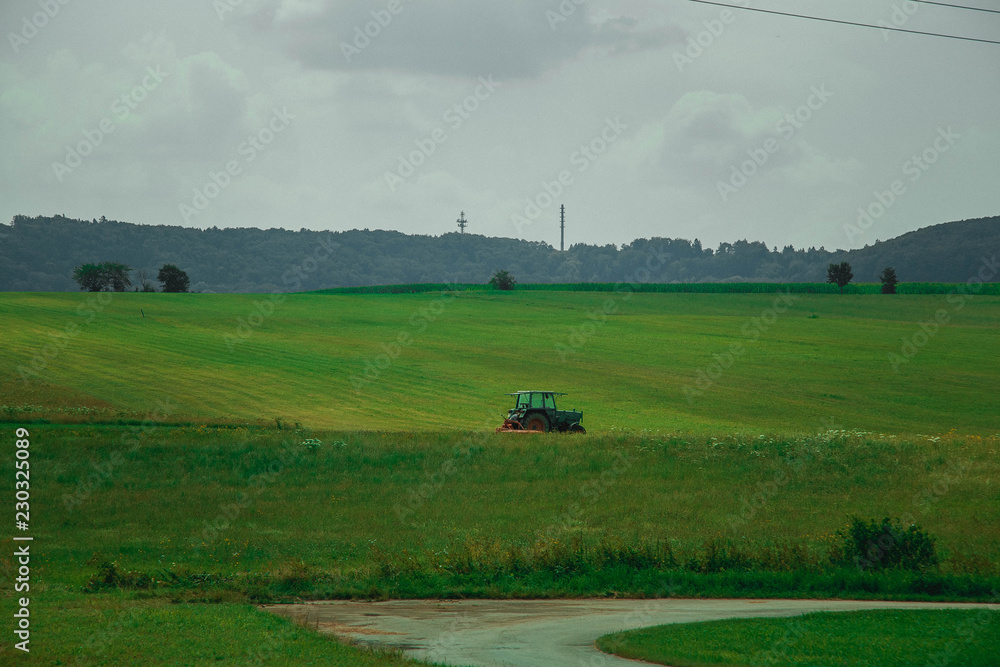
[(202, 513)]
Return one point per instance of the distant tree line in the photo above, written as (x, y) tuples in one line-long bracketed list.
[(43, 253), (114, 277)]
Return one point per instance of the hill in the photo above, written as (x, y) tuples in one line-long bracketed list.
[(950, 252), (39, 254)]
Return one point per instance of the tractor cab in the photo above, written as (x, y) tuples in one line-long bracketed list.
[(527, 400), (535, 411)]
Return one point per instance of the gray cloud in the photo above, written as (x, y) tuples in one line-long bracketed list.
[(515, 39), (561, 80)]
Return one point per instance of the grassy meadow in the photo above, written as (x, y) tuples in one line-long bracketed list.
[(222, 450), (362, 512), (130, 521)]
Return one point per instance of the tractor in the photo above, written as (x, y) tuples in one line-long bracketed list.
[(535, 412)]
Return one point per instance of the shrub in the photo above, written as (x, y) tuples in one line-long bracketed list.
[(882, 546), (889, 280), (502, 280)]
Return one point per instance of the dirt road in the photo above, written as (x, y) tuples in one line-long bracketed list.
[(535, 632)]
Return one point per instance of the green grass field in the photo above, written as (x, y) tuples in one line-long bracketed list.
[(129, 521), (117, 629), (874, 638), (365, 508), (709, 363), (728, 443)]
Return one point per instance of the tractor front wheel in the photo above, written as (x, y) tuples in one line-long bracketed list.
[(537, 422), (577, 428)]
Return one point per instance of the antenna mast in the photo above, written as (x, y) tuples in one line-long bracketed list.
[(462, 222), (562, 226)]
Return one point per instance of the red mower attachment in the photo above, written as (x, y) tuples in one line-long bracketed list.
[(511, 426)]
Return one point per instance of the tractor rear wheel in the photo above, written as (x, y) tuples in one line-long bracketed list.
[(537, 422)]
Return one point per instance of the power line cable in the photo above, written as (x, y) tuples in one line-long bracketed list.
[(945, 4), (861, 25)]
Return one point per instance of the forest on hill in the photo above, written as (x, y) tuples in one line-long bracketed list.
[(40, 253)]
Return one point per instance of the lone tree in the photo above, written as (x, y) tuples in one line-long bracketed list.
[(103, 276), (503, 280), (173, 279), (840, 274), (91, 277), (889, 280), (118, 275)]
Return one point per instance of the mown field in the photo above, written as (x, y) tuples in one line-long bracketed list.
[(709, 363), (886, 638), (245, 448)]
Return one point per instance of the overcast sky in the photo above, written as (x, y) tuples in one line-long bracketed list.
[(285, 113)]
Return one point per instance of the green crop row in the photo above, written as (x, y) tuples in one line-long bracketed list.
[(677, 288)]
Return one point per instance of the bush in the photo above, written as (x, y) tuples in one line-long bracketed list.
[(889, 280), (882, 546), (502, 280)]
